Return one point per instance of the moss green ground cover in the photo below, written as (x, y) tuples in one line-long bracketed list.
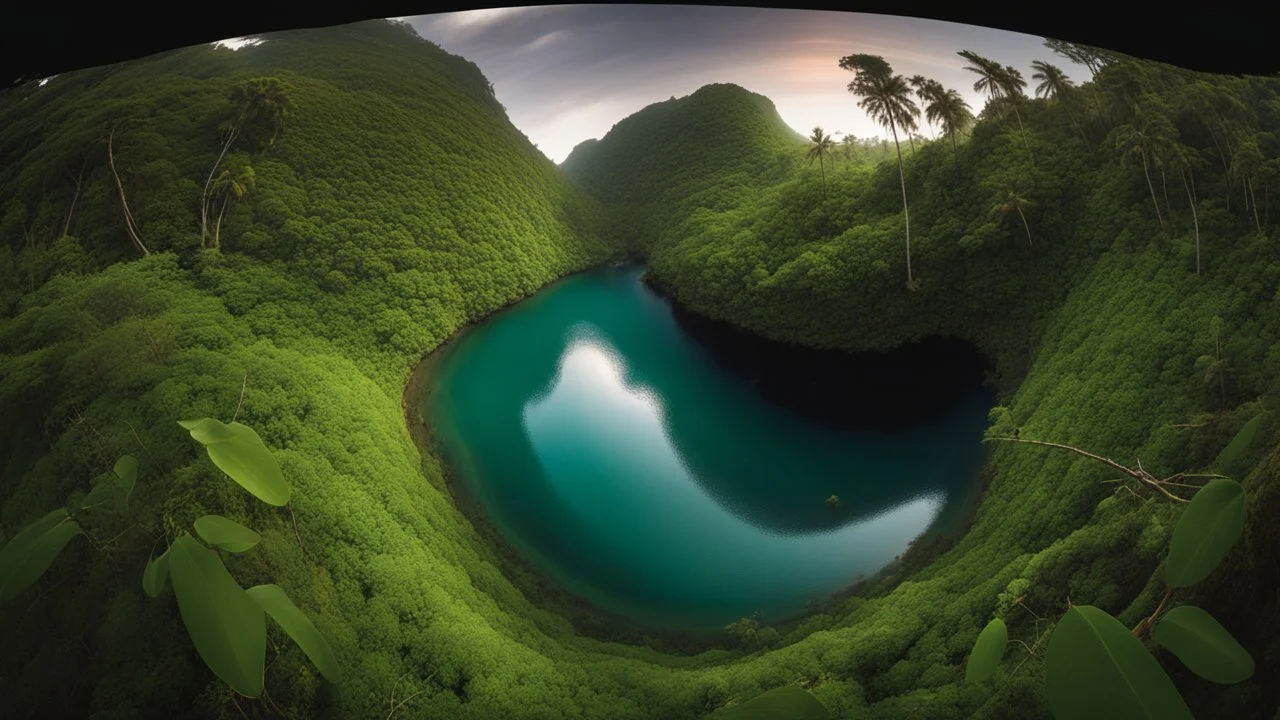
[(399, 204)]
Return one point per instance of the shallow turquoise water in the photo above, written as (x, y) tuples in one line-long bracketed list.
[(606, 445)]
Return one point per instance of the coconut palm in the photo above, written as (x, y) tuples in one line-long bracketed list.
[(823, 145), (259, 108), (1140, 143), (950, 111), (1245, 164), (229, 186), (1187, 159), (1013, 200), (886, 98), (847, 147), (1054, 84), (1002, 84)]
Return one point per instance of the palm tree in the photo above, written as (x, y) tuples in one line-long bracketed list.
[(1001, 84), (228, 187), (886, 98), (949, 110), (1244, 167), (988, 72), (1187, 159), (1138, 142), (1055, 84), (823, 145), (929, 91), (259, 108), (847, 147), (1013, 200)]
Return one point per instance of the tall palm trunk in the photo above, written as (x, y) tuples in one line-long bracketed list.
[(1253, 201), (1164, 188), (1025, 226), (1195, 219), (906, 218), (823, 170), (66, 226), (130, 226), (1152, 187)]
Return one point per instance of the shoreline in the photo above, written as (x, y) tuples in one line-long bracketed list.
[(590, 620)]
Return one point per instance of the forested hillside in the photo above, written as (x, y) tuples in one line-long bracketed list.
[(1109, 248), (278, 234), (702, 150)]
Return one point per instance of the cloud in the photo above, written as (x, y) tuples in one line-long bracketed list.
[(469, 24), (546, 39), (237, 43)]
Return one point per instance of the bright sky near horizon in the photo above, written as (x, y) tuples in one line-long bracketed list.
[(567, 73)]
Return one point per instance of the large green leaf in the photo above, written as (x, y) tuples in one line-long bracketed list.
[(281, 609), (126, 470), (1095, 669), (227, 627), (1204, 646), (788, 702), (226, 534), (1235, 449), (238, 451), (155, 574), (987, 652), (30, 552), (105, 491), (1208, 528)]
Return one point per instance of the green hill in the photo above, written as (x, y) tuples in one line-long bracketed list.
[(687, 152), (1098, 328), (399, 204)]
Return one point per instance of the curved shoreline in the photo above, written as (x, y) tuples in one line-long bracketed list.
[(590, 620)]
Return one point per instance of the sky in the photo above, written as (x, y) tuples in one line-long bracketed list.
[(567, 73)]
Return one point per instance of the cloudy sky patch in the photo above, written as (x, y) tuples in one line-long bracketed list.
[(567, 73)]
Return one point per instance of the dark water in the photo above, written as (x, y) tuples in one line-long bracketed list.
[(630, 456)]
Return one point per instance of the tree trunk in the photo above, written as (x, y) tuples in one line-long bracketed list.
[(204, 197), (1253, 201), (129, 225), (1195, 220), (822, 168), (1025, 226), (1222, 382), (1164, 188), (906, 218), (1152, 187), (66, 226), (1023, 133), (217, 225)]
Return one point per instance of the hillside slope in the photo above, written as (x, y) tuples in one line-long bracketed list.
[(1099, 329), (686, 152)]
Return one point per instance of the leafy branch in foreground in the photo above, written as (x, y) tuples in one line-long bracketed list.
[(226, 623), (1096, 668)]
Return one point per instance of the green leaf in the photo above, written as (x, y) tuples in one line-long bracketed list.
[(788, 702), (1095, 669), (987, 652), (226, 534), (238, 451), (30, 552), (281, 609), (126, 473), (1204, 646), (155, 574), (104, 491), (227, 627), (1208, 528), (1238, 445)]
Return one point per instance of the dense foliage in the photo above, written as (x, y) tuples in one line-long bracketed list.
[(1108, 326), (397, 203)]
